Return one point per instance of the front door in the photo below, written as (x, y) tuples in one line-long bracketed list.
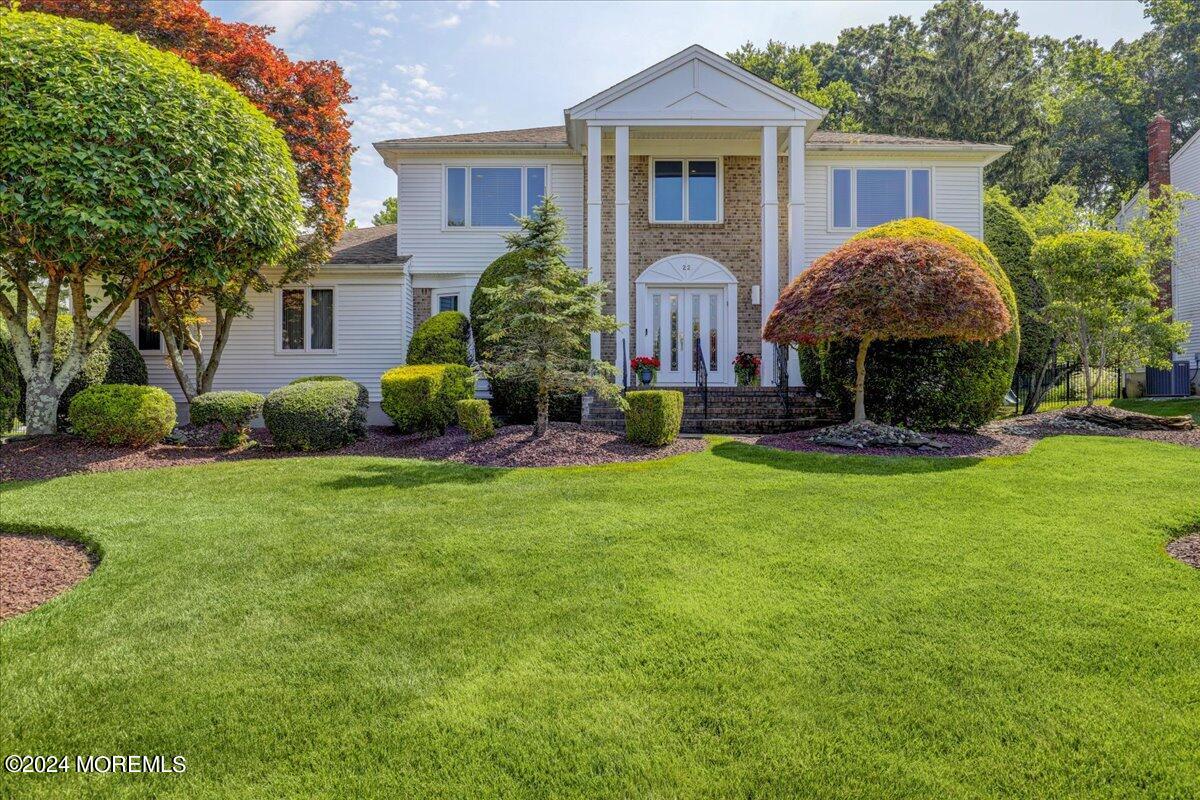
[(684, 327)]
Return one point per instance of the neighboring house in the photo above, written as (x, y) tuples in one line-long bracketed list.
[(694, 189), (1181, 289)]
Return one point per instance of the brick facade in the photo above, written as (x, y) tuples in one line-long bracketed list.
[(1159, 174), (422, 302), (735, 242)]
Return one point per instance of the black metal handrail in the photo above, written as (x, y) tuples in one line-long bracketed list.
[(624, 366), (782, 352), (700, 367)]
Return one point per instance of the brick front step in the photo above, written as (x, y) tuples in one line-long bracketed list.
[(757, 409)]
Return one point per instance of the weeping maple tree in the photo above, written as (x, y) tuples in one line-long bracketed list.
[(876, 289)]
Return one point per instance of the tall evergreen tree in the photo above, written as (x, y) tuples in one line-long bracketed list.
[(793, 69), (547, 311)]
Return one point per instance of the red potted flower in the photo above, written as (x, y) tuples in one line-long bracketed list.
[(745, 368), (646, 368)]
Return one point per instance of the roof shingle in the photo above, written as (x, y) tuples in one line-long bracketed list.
[(376, 245)]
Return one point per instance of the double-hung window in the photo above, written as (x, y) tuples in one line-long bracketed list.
[(492, 196), (861, 197), (306, 321), (685, 190)]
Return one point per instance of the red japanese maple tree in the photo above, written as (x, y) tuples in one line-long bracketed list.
[(888, 289)]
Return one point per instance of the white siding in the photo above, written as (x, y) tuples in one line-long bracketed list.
[(1185, 175), (369, 336), (434, 247), (957, 196)]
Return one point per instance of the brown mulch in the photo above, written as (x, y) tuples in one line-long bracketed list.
[(42, 457), (34, 569), (1186, 549), (1003, 438)]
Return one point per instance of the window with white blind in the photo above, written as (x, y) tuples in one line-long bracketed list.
[(492, 196), (306, 320), (862, 197)]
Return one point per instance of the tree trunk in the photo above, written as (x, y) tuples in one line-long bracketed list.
[(860, 381), (543, 412), (41, 405)]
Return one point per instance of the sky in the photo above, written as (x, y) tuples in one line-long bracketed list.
[(424, 68)]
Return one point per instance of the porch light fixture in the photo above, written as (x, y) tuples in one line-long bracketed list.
[(756, 295)]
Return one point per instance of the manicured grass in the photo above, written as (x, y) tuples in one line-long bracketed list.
[(742, 622), (1163, 408)]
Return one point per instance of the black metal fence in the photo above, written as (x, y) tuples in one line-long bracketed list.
[(1063, 384)]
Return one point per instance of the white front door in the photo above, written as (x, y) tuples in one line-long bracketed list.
[(677, 320)]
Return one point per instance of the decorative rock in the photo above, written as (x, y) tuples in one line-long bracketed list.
[(1107, 417), (870, 434)]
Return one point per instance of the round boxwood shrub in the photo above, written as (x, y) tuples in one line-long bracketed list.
[(315, 415), (233, 410), (1010, 237), (475, 417), (421, 397), (926, 384), (442, 339), (653, 416), (122, 414), (115, 360), (10, 383), (364, 397)]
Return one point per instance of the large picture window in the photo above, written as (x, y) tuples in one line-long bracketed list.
[(861, 197), (492, 197), (686, 190), (306, 320)]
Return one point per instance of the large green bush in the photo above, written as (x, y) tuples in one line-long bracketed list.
[(444, 338), (364, 397), (10, 383), (315, 415), (514, 400), (421, 397), (122, 414), (475, 417), (115, 360), (930, 383), (653, 417), (233, 410), (1010, 237)]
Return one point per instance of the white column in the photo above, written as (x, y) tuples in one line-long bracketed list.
[(795, 223), (770, 242), (621, 251), (593, 217)]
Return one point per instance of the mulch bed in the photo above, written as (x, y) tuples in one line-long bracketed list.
[(42, 457), (34, 569), (1003, 438), (1186, 549)]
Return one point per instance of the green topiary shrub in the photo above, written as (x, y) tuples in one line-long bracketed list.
[(364, 397), (122, 414), (444, 338), (1010, 237), (116, 360), (315, 415), (653, 417), (233, 410), (475, 417), (10, 383), (421, 397), (515, 401), (925, 384)]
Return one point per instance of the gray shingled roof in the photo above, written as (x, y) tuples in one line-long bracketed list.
[(557, 135), (375, 245)]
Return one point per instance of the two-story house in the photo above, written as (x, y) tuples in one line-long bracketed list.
[(694, 189)]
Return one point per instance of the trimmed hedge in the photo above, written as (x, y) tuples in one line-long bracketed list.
[(233, 410), (514, 400), (421, 397), (653, 417), (1010, 237), (116, 360), (364, 397), (926, 384), (444, 338), (10, 383), (475, 417), (122, 414), (315, 415)]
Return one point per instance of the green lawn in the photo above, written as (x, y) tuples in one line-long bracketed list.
[(741, 623), (1163, 408)]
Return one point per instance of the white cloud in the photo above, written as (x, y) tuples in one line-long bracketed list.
[(287, 17), (378, 31), (496, 40), (413, 70), (426, 90), (447, 22)]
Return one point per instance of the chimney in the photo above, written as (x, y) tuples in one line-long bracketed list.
[(1159, 174), (1159, 136)]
